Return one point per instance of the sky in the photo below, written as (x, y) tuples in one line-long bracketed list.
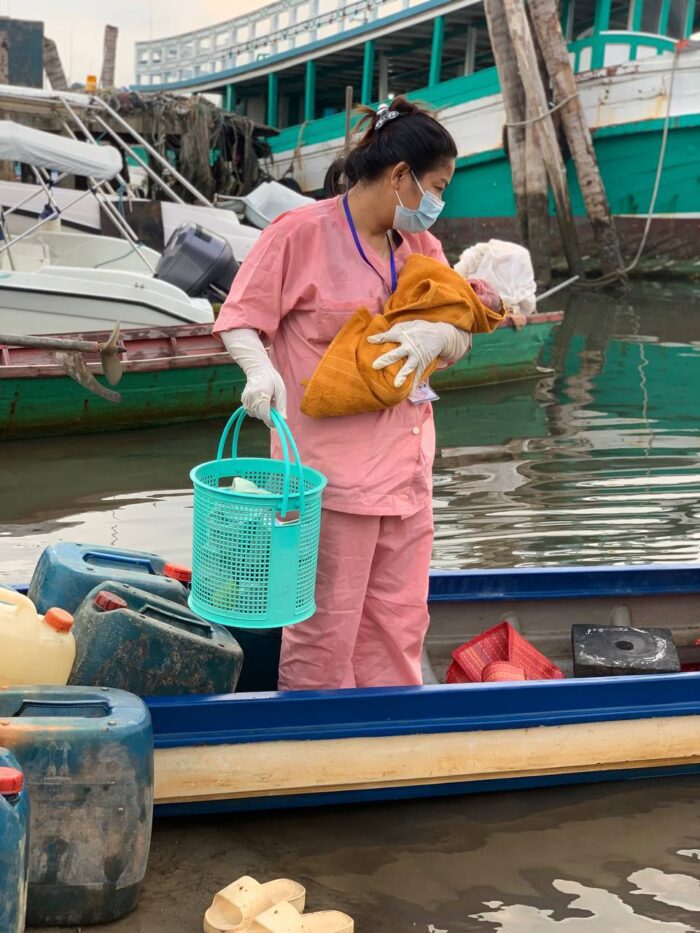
[(77, 26)]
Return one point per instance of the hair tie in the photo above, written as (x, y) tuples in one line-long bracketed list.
[(384, 115)]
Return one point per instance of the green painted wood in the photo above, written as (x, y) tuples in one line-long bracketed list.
[(230, 98), (637, 15), (564, 20), (663, 18), (627, 156), (42, 406), (367, 73), (600, 24), (310, 91), (506, 355), (272, 99), (689, 19), (436, 51)]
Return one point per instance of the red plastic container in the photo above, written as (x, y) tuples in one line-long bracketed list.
[(482, 659)]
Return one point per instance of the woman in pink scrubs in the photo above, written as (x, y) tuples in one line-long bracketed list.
[(306, 275)]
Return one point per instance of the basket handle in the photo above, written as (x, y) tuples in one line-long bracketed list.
[(235, 422)]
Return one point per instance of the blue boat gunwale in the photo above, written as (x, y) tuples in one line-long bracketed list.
[(237, 719), (564, 582)]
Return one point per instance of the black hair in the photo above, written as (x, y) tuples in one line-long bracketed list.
[(413, 136)]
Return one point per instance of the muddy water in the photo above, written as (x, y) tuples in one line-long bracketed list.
[(597, 463)]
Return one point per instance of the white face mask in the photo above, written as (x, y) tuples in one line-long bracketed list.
[(416, 220)]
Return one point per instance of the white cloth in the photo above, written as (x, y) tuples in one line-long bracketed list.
[(505, 266), (421, 342), (264, 385)]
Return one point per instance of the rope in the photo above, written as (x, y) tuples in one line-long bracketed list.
[(660, 164), (547, 113)]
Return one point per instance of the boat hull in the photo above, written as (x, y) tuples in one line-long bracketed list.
[(274, 750), (278, 750), (162, 385)]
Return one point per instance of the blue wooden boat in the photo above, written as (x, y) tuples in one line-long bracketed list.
[(266, 750)]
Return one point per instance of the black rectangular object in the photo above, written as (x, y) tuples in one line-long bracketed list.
[(614, 650)]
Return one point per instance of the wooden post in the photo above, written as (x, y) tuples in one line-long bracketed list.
[(349, 93), (109, 56), (514, 104), (544, 129), (7, 169), (537, 200), (545, 20), (53, 67)]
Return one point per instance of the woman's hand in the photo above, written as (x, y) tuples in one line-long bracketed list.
[(264, 385), (420, 343)]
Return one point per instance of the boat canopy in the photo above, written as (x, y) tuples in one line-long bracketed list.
[(35, 147)]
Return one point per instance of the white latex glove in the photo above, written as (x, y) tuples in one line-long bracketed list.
[(264, 385), (421, 342)]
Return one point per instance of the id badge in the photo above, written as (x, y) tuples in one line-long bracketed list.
[(422, 393)]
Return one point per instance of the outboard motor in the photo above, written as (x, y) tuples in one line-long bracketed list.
[(198, 261)]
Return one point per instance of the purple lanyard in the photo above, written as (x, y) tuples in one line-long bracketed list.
[(392, 261)]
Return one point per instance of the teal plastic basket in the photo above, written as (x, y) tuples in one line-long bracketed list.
[(254, 556)]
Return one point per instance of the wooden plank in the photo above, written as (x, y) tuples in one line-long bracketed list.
[(7, 169), (514, 105), (294, 767)]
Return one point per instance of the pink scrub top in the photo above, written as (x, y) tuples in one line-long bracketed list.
[(298, 285)]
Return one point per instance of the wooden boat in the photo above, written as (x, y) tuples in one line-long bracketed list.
[(182, 373), (264, 750)]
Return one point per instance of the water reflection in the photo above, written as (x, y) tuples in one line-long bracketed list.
[(599, 463), (606, 910)]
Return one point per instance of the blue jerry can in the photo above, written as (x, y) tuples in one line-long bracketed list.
[(14, 844), (87, 757), (67, 572), (137, 641)]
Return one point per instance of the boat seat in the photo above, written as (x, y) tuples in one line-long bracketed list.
[(26, 257)]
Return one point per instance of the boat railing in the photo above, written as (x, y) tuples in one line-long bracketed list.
[(102, 190), (273, 29), (609, 48)]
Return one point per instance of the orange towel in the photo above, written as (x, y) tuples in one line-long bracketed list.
[(344, 382)]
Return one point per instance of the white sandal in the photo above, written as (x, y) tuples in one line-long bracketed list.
[(284, 919), (237, 905)]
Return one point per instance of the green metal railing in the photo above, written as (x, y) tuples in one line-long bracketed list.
[(598, 42)]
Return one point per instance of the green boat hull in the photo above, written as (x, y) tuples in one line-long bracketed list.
[(39, 406)]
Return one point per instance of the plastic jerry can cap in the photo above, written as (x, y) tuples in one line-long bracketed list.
[(59, 619), (178, 572), (11, 781), (106, 601)]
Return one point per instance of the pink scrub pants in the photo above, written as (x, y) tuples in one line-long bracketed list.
[(371, 605)]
